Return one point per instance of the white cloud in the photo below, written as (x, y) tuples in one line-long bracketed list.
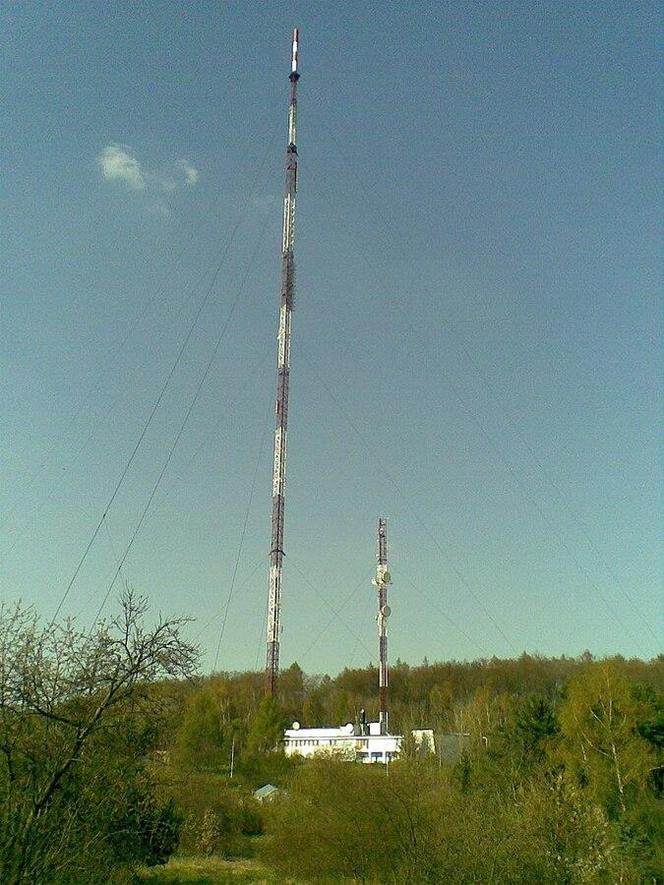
[(116, 162), (191, 173)]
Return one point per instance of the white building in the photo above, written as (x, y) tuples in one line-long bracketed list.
[(346, 743)]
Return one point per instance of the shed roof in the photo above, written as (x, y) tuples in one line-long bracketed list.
[(265, 791)]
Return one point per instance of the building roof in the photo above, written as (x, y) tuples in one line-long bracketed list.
[(265, 791), (304, 733)]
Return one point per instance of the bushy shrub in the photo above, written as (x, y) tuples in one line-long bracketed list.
[(220, 816)]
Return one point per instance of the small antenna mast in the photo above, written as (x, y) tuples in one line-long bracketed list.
[(381, 581), (283, 371)]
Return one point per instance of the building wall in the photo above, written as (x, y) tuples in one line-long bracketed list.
[(366, 748)]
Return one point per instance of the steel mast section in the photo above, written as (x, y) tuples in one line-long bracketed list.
[(283, 371), (381, 581)]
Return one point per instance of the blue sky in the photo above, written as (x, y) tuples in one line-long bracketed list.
[(477, 336)]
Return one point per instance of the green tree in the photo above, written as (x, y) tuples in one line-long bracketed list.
[(200, 739), (600, 741), (651, 728), (561, 836), (266, 730), (220, 815), (263, 758), (292, 690), (71, 773), (518, 750), (342, 820), (207, 730), (440, 705)]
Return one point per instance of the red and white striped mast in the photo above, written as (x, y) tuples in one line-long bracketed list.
[(283, 371), (381, 582)]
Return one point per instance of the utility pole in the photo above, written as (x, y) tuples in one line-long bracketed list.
[(381, 581), (283, 369)]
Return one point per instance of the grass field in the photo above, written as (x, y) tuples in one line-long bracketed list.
[(206, 871)]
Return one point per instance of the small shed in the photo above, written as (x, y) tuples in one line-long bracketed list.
[(451, 746), (266, 792)]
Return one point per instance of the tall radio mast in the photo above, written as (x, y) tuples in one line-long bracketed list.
[(283, 370), (381, 581)]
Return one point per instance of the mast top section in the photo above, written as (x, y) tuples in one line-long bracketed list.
[(383, 577), (296, 40)]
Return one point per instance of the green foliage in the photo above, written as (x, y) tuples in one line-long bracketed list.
[(600, 742), (477, 698), (463, 771), (204, 739), (344, 820), (651, 728), (552, 770), (267, 727), (211, 870), (641, 833), (220, 816), (76, 797), (292, 689), (535, 723), (553, 784), (520, 802), (262, 758)]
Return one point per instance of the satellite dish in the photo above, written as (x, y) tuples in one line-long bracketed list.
[(349, 728), (386, 611), (296, 726)]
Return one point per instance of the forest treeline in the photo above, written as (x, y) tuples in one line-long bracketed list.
[(455, 696), (114, 754), (559, 776)]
